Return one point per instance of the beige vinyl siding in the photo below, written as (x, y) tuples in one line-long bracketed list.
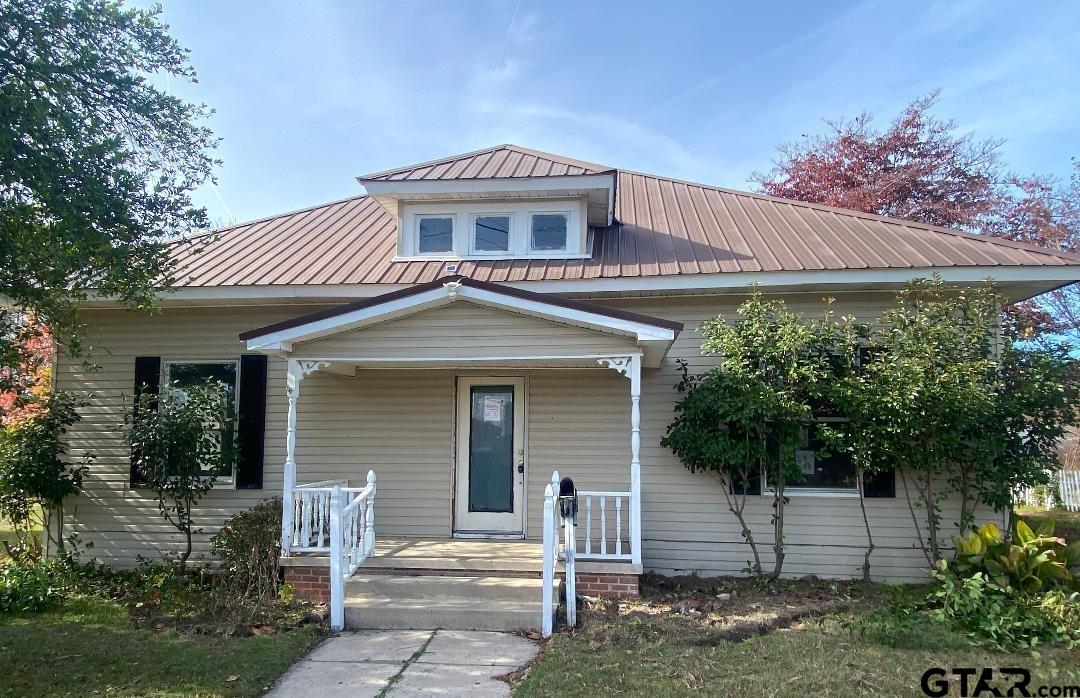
[(399, 422), (463, 329), (123, 524)]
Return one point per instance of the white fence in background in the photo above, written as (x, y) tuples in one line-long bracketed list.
[(1064, 491)]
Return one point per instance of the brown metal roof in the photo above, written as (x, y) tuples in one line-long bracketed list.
[(662, 227), (584, 306), (500, 162)]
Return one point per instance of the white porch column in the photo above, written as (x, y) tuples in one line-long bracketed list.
[(296, 372), (292, 391), (635, 458), (630, 366)]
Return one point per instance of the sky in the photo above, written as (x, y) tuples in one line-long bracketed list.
[(308, 95)]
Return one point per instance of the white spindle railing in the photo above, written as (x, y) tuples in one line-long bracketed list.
[(352, 540), (311, 515), (612, 511)]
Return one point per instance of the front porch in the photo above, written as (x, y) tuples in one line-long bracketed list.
[(462, 400)]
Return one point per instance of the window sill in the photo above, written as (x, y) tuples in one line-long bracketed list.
[(488, 257), (820, 492)]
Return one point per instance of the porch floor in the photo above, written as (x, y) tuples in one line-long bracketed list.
[(455, 555)]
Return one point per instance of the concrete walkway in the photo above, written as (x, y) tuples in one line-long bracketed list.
[(407, 663)]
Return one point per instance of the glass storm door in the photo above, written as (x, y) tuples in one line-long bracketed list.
[(490, 455)]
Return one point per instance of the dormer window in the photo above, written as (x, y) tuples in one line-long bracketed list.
[(547, 231), (491, 232), (435, 234), (514, 229)]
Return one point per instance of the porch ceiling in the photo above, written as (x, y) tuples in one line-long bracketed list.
[(456, 321)]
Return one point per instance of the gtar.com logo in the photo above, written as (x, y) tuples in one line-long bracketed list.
[(970, 682)]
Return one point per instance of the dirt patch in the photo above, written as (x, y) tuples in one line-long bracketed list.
[(730, 609)]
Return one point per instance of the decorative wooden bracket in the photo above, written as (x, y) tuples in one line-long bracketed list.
[(620, 364)]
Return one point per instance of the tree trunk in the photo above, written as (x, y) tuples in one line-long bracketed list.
[(778, 529), (736, 505), (866, 523)]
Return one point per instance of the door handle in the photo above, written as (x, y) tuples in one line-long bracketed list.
[(521, 468)]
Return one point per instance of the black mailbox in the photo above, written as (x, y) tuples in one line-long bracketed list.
[(568, 499)]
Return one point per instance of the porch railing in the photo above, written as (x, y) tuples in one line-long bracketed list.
[(309, 528), (352, 540), (607, 540)]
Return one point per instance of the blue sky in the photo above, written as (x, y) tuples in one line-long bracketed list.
[(310, 94)]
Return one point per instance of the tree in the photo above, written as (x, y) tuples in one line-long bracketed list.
[(919, 168), (97, 163), (953, 409), (923, 169), (743, 418), (35, 473), (182, 441), (1042, 211)]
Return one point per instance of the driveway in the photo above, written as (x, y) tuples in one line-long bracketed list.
[(408, 663)]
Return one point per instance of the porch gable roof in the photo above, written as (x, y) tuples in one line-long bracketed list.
[(652, 335)]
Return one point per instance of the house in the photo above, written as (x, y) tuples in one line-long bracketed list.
[(467, 327)]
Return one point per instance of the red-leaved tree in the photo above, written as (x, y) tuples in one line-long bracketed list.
[(919, 168), (923, 169)]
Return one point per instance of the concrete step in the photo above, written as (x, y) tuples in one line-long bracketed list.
[(421, 587), (456, 603)]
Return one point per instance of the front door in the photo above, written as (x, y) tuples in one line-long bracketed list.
[(490, 456)]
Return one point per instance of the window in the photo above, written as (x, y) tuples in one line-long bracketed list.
[(493, 229), (190, 373), (547, 231), (821, 467), (491, 232), (435, 234)]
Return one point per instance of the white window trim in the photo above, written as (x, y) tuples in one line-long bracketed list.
[(472, 234), (220, 482), (800, 491), (529, 232), (463, 213), (416, 234)]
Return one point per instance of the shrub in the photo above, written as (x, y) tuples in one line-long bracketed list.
[(1029, 562), (36, 474), (1004, 618), (249, 544), (28, 588), (182, 440)]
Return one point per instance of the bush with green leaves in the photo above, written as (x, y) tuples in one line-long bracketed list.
[(1028, 561), (181, 441), (36, 475), (249, 545), (29, 587), (1004, 618), (743, 418)]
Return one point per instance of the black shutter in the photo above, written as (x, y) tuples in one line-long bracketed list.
[(881, 484), (252, 421), (147, 381), (753, 486)]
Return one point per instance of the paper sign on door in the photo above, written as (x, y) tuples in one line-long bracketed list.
[(493, 409)]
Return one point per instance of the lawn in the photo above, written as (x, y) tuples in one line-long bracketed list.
[(761, 642), (89, 646)]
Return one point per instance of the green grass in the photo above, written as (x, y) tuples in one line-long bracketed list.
[(641, 655), (88, 646)]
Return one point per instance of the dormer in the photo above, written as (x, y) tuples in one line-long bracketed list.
[(505, 202)]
